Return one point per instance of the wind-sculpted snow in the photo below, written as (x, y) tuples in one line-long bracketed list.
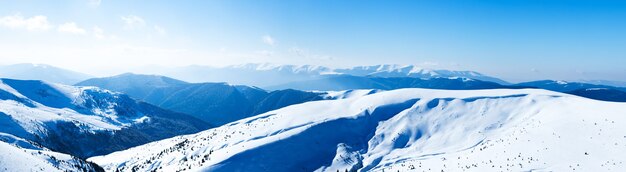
[(84, 121), (403, 130)]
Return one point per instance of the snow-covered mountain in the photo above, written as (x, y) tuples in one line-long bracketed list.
[(404, 130), (28, 71), (21, 155), (296, 69), (388, 70), (84, 121), (263, 74)]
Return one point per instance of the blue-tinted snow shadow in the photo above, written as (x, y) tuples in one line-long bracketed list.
[(321, 139)]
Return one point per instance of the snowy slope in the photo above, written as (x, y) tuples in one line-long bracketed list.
[(84, 121), (405, 130), (17, 154)]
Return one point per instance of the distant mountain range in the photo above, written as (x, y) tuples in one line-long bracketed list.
[(28, 71), (85, 121), (414, 72), (592, 91), (564, 86), (264, 75), (214, 103), (605, 82), (347, 82)]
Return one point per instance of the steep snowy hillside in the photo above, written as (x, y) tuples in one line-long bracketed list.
[(404, 130), (84, 121), (20, 155), (43, 72)]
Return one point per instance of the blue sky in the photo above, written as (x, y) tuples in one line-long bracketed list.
[(513, 40)]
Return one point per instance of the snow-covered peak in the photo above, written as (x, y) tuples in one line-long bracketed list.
[(297, 69), (394, 70)]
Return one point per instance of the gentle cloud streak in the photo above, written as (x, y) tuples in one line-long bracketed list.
[(72, 28), (35, 23)]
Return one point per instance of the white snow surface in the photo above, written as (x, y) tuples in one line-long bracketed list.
[(404, 130)]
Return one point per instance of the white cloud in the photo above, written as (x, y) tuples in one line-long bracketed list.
[(133, 22), (269, 40), (35, 23), (71, 27), (160, 30)]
